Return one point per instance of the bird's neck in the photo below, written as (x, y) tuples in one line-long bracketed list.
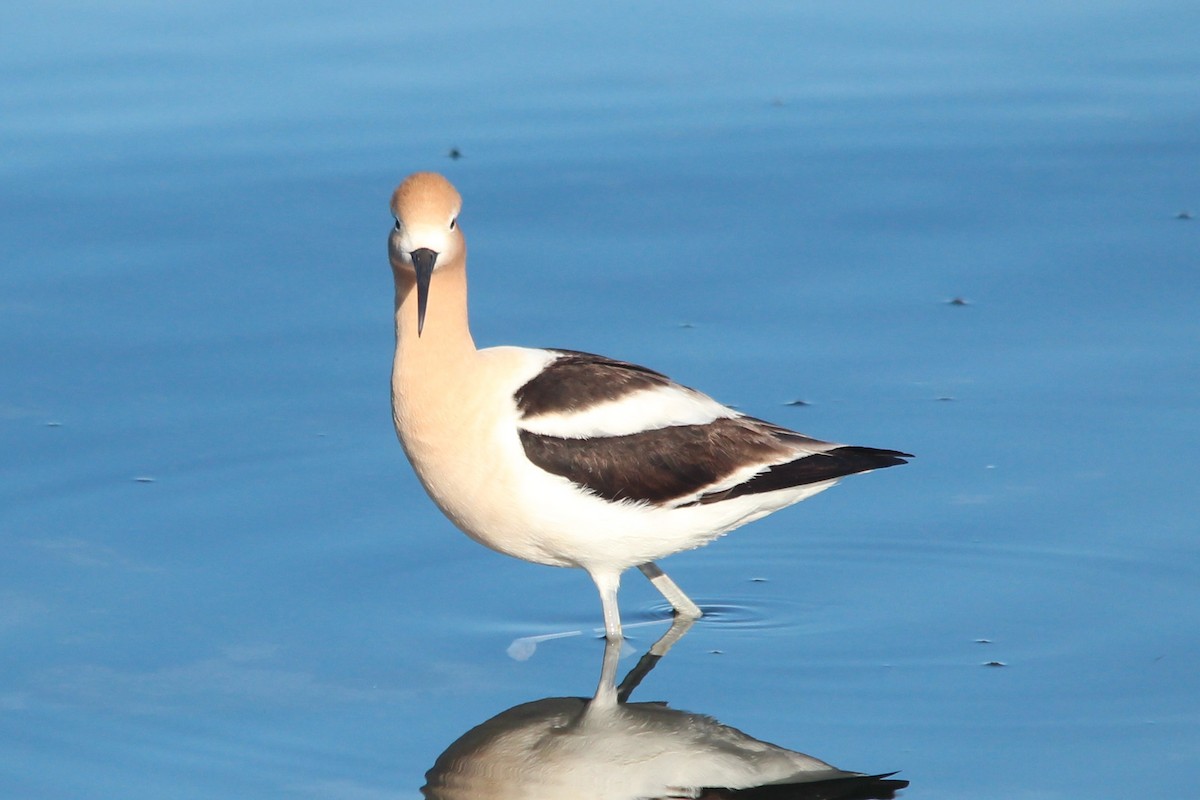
[(447, 333), (432, 369)]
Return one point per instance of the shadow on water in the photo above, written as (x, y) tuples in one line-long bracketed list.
[(608, 747)]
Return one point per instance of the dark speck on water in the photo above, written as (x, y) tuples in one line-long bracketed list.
[(958, 301)]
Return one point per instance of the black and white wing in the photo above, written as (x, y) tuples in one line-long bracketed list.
[(624, 432)]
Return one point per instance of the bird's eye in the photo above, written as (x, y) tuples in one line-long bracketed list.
[(453, 223), (397, 225)]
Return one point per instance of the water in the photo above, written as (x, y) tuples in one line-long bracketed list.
[(220, 577)]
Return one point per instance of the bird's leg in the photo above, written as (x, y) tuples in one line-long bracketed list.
[(683, 605), (679, 626), (606, 692), (608, 583), (648, 661)]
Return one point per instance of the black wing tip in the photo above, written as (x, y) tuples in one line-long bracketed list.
[(849, 787), (877, 787), (830, 465), (872, 457)]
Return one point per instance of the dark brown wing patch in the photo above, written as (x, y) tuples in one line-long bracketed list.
[(576, 381), (658, 465)]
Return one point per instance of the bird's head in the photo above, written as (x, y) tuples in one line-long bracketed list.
[(426, 236)]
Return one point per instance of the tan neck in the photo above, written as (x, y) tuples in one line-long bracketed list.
[(428, 368)]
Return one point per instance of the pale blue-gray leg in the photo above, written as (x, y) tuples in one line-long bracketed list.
[(683, 605), (608, 583), (606, 691)]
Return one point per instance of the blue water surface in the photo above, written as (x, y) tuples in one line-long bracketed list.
[(963, 230)]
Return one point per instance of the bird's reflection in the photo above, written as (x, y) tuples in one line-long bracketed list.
[(606, 748)]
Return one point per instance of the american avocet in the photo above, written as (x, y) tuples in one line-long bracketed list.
[(606, 747), (567, 458)]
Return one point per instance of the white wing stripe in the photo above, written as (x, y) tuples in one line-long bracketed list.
[(645, 410)]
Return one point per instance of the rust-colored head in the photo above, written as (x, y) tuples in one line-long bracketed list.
[(426, 235)]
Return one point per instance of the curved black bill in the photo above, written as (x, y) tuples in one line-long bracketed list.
[(423, 260)]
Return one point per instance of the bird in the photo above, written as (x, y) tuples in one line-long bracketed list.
[(567, 458), (607, 748)]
